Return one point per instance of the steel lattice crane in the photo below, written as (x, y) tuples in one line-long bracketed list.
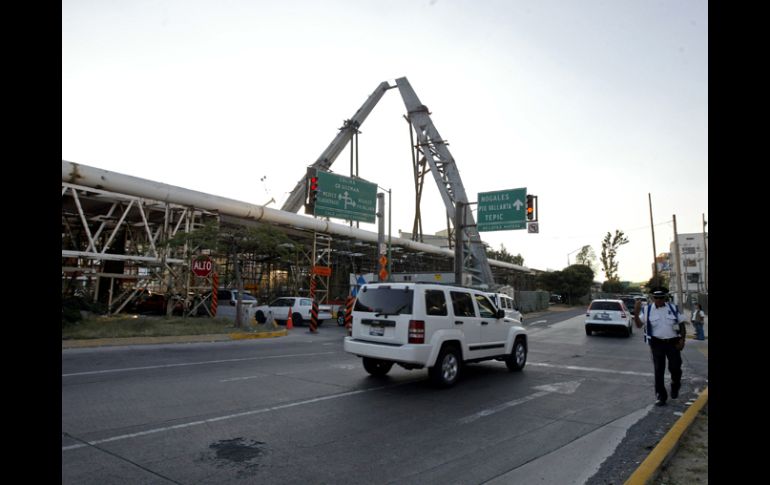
[(442, 166)]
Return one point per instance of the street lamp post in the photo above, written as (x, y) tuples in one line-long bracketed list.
[(571, 252)]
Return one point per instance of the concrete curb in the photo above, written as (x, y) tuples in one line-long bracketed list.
[(246, 335), (650, 467)]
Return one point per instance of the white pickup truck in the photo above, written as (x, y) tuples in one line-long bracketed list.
[(300, 307)]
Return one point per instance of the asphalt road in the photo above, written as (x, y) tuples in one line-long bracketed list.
[(298, 409)]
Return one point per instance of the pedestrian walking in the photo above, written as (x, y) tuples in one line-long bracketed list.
[(697, 321), (665, 334)]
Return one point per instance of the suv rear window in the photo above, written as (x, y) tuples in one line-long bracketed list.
[(605, 305), (385, 300)]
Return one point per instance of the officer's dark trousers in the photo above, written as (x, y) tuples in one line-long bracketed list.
[(663, 349)]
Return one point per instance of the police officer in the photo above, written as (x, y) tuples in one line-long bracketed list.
[(665, 334)]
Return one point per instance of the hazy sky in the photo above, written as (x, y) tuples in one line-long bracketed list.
[(589, 104)]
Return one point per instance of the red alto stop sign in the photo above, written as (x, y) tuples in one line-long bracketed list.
[(202, 267)]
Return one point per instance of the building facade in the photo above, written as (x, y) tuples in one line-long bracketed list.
[(689, 268)]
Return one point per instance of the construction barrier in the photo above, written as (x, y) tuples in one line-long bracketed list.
[(289, 320), (314, 308), (349, 312), (214, 299)]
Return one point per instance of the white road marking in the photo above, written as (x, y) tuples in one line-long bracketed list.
[(128, 369), (229, 416), (592, 369), (538, 321), (560, 387)]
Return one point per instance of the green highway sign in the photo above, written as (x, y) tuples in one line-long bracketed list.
[(502, 210), (346, 198)]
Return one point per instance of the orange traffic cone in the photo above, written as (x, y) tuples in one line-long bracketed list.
[(289, 323)]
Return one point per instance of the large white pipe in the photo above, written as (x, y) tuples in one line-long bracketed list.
[(79, 174)]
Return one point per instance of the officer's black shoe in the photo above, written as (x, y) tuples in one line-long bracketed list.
[(660, 402), (675, 390)]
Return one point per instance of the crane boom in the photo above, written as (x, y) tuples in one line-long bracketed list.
[(447, 178), (442, 166), (296, 199)]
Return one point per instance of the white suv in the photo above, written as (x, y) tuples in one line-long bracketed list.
[(300, 307), (608, 315), (506, 303), (417, 325)]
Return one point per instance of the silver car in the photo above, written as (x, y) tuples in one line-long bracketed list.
[(611, 315)]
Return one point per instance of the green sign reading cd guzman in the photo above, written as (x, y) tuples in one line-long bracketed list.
[(345, 198), (502, 210)]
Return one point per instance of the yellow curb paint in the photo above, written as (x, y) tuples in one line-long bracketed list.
[(647, 471), (242, 336)]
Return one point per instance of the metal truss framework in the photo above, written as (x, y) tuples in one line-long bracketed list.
[(433, 152), (118, 240), (110, 238)]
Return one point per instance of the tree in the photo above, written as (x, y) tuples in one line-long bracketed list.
[(613, 286), (573, 282), (577, 281), (264, 242), (586, 257), (610, 246), (505, 256), (660, 280)]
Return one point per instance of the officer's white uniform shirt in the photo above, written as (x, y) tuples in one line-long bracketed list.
[(662, 320)]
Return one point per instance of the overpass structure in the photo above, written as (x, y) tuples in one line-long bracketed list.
[(116, 228)]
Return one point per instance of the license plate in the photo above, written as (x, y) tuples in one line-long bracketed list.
[(603, 316), (377, 331)]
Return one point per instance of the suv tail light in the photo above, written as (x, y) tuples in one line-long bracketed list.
[(416, 331)]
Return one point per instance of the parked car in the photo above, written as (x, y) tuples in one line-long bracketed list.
[(629, 301), (227, 301), (441, 327), (153, 303), (300, 307), (611, 315), (506, 303)]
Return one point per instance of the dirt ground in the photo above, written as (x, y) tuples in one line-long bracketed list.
[(689, 465)]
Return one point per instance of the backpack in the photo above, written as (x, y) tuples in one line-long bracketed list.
[(648, 326)]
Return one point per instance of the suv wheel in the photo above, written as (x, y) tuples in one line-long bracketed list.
[(447, 368), (518, 358), (629, 331), (260, 317), (377, 367), (296, 319)]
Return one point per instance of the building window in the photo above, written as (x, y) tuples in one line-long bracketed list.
[(693, 278)]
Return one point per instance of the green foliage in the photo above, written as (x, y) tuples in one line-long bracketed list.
[(610, 246), (661, 280), (586, 256), (122, 326), (613, 286), (505, 256), (71, 307), (573, 282)]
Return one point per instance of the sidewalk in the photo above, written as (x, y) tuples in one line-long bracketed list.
[(681, 456)]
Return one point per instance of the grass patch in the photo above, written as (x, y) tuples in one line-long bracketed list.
[(120, 326)]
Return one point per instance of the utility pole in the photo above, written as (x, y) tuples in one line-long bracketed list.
[(679, 266), (705, 256), (654, 252)]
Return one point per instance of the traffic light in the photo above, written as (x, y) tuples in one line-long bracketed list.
[(530, 207), (311, 190)]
